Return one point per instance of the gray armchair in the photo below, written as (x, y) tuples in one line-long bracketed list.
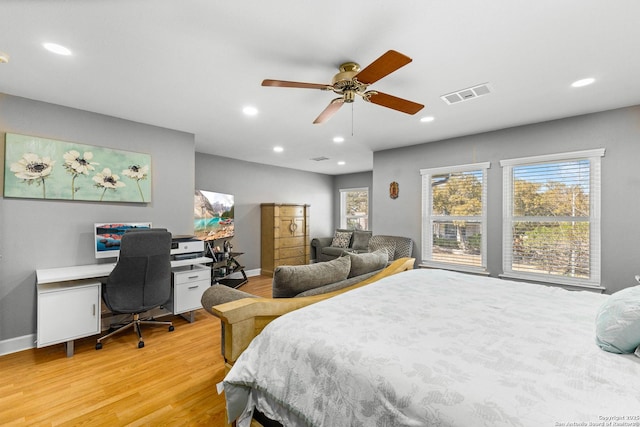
[(141, 279), (358, 243)]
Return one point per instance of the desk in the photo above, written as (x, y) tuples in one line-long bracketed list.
[(69, 299), (92, 271)]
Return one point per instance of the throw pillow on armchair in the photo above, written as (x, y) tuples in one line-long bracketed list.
[(360, 240), (341, 239)]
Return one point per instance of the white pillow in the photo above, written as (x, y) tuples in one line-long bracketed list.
[(618, 322)]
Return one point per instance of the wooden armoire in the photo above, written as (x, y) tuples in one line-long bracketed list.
[(285, 236)]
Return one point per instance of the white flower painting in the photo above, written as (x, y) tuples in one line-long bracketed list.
[(51, 169), (137, 173), (106, 180), (32, 168), (78, 165)]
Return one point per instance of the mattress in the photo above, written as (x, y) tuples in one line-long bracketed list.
[(437, 348)]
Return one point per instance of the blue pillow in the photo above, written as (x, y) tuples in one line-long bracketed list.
[(618, 322)]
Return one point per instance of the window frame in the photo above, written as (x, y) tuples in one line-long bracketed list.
[(343, 206), (428, 218), (595, 182)]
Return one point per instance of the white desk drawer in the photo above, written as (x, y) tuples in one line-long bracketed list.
[(187, 296), (191, 275)]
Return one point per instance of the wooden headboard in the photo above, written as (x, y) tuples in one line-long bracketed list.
[(244, 319)]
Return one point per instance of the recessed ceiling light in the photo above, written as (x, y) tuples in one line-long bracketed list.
[(583, 82), (427, 119), (278, 149), (341, 163), (338, 139), (56, 48), (4, 58), (250, 111)]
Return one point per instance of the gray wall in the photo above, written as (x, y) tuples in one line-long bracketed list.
[(48, 233), (252, 184), (352, 180), (618, 131)]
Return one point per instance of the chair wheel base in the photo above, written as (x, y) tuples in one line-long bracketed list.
[(98, 346), (140, 344), (171, 328)]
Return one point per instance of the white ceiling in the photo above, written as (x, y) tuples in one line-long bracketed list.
[(193, 65)]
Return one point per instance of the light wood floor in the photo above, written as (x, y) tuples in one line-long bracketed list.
[(170, 382)]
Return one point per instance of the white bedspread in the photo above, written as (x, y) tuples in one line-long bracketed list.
[(474, 351)]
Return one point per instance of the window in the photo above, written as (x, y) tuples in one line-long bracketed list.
[(454, 222), (354, 208), (551, 224)]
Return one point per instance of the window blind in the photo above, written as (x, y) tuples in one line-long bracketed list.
[(454, 217), (551, 218)]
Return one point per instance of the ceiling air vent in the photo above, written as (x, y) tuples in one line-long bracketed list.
[(320, 159), (466, 94)]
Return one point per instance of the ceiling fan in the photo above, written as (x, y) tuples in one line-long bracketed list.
[(352, 81)]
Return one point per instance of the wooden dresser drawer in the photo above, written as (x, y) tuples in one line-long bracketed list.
[(291, 252), (291, 242), (291, 210)]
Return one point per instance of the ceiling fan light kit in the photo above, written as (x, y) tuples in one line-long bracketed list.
[(351, 81)]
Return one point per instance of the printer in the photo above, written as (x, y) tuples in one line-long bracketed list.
[(186, 247)]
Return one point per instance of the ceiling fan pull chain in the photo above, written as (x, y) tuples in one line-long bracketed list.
[(352, 120)]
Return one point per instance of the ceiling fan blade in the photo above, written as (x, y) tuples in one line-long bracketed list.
[(383, 66), (284, 83), (328, 112), (394, 102)]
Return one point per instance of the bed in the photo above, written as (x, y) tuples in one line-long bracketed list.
[(436, 348)]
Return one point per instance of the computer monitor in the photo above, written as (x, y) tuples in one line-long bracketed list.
[(107, 236)]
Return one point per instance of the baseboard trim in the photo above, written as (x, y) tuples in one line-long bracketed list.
[(252, 273), (249, 273), (14, 345)]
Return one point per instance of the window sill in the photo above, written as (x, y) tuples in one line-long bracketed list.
[(451, 267), (551, 281)]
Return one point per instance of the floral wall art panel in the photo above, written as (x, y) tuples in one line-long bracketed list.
[(40, 168)]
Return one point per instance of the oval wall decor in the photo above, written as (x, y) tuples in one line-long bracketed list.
[(393, 190)]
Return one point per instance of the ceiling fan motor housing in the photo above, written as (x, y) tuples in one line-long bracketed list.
[(345, 83)]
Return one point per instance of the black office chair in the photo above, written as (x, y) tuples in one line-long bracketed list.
[(140, 280)]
